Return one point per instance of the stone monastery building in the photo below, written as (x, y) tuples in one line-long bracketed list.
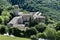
[(22, 20)]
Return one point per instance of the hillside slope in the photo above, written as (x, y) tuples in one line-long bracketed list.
[(50, 8)]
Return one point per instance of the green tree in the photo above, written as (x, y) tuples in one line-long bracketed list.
[(16, 32), (33, 37), (10, 31), (30, 31), (1, 10), (1, 20), (47, 7), (58, 35), (41, 35), (51, 33), (5, 13), (2, 29), (58, 26), (32, 22), (40, 27), (51, 25), (48, 20), (6, 19)]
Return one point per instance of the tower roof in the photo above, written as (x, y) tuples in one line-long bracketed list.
[(16, 6)]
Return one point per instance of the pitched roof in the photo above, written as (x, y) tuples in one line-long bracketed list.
[(14, 20)]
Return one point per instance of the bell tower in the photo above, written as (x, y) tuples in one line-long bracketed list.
[(16, 10)]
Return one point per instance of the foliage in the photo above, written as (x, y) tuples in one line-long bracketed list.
[(51, 33), (5, 13), (30, 31), (50, 8), (33, 37), (58, 26), (58, 35), (48, 20), (4, 4), (40, 27), (2, 29), (10, 31), (1, 20), (6, 19), (51, 26), (1, 10), (14, 31), (32, 22), (41, 35)]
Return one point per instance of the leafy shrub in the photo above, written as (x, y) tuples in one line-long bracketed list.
[(5, 13), (32, 22), (6, 19), (2, 29), (41, 35), (40, 27), (48, 20), (57, 26), (33, 37), (1, 11), (30, 31), (51, 25), (10, 8), (50, 33), (10, 31), (58, 35), (16, 31), (1, 20), (12, 15)]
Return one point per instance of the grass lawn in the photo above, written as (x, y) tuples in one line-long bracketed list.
[(12, 38)]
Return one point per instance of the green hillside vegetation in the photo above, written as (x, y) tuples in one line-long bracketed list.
[(48, 30), (4, 4), (12, 38), (50, 8)]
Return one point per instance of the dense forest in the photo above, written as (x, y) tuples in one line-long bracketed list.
[(50, 8)]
